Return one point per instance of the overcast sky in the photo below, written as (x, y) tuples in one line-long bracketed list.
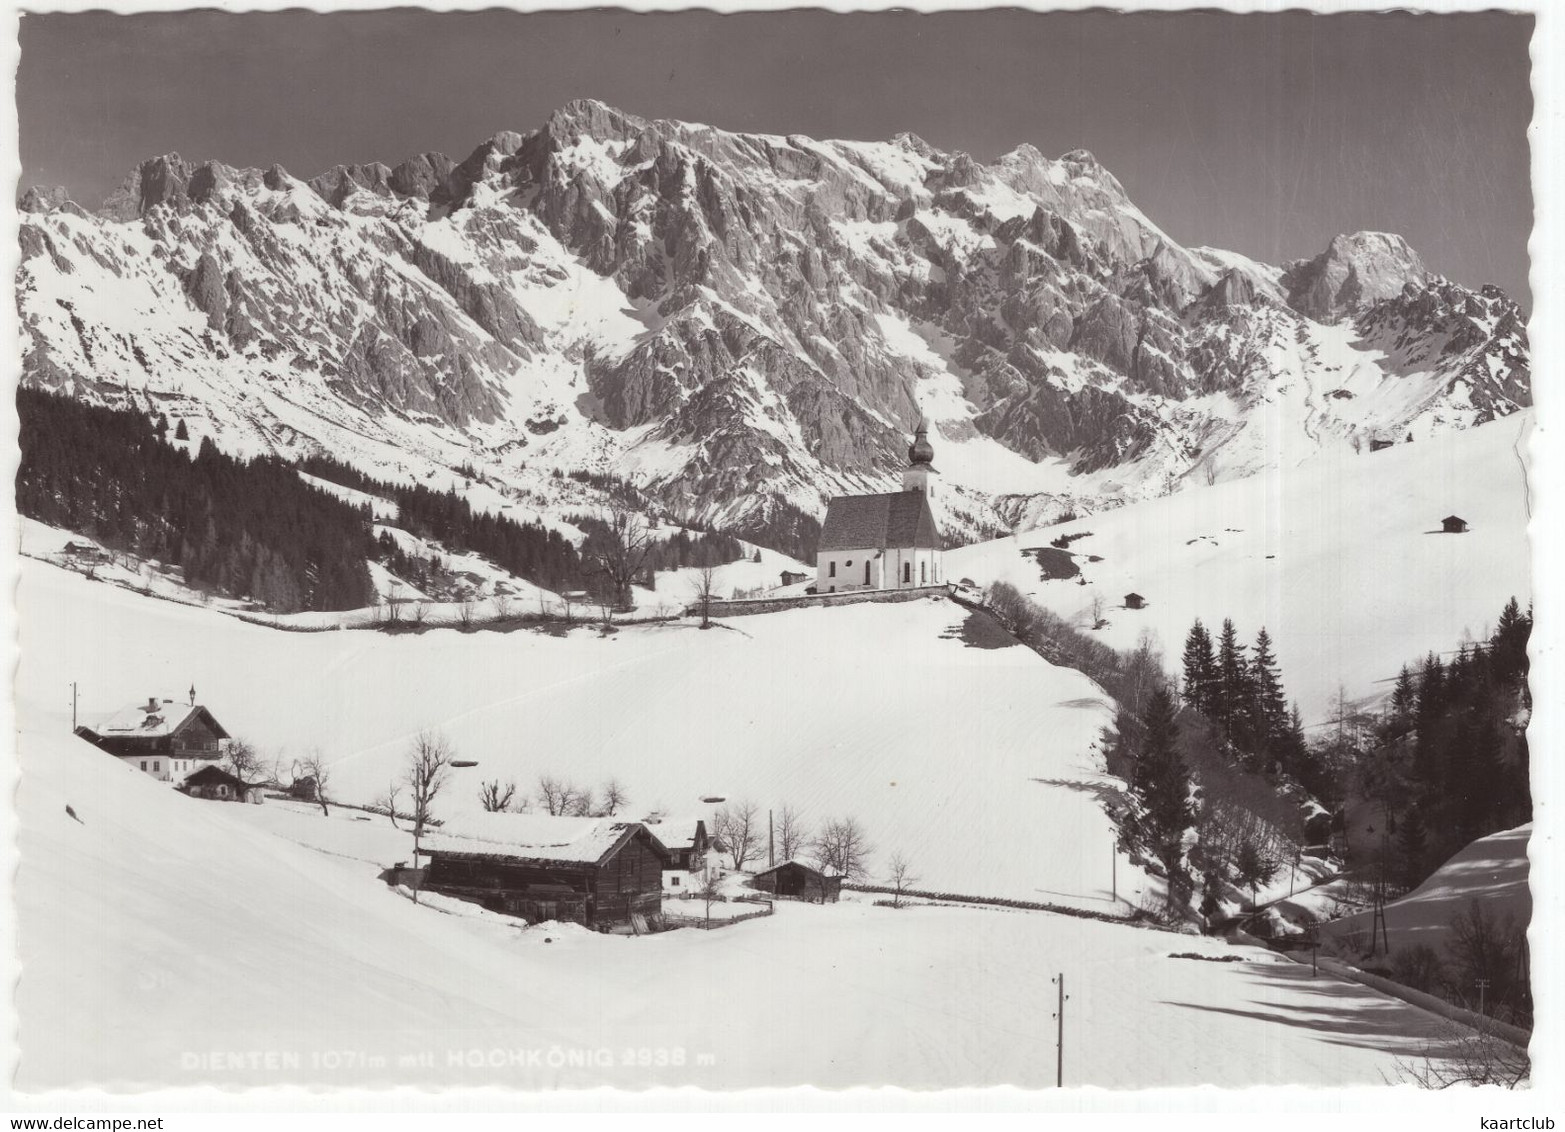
[(1263, 134)]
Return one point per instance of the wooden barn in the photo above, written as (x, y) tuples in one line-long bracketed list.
[(216, 783), (162, 738), (1453, 525), (603, 873), (799, 882), (1135, 601)]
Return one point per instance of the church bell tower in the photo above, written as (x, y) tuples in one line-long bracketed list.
[(920, 471)]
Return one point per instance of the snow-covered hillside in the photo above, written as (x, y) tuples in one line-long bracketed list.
[(1492, 870), (743, 325), (169, 941), (979, 763), (1339, 558)]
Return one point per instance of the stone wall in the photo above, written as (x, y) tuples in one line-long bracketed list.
[(851, 597)]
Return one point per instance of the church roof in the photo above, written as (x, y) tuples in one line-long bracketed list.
[(876, 522)]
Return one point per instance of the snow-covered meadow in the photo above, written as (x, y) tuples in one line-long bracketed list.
[(166, 940)]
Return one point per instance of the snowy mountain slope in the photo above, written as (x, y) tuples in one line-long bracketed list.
[(981, 762), (1492, 870), (741, 324), (1337, 559), (169, 941)]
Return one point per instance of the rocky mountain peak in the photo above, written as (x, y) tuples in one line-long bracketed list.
[(1356, 270), (43, 198)]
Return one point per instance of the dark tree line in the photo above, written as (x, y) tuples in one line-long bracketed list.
[(1240, 690), (241, 528), (1449, 762), (529, 550)]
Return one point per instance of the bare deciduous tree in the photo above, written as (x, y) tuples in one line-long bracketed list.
[(496, 797), (244, 761), (619, 554), (314, 766), (553, 794), (711, 891), (842, 849), (388, 802), (420, 612), (466, 613), (428, 765), (502, 606), (736, 827), (579, 803), (706, 592), (614, 797), (1463, 1056), (792, 834), (899, 871)]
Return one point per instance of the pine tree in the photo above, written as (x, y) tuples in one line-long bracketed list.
[(181, 433), (1161, 782), (1200, 669), (1412, 850), (1269, 706), (1232, 678)]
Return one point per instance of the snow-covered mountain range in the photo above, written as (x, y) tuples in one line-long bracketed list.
[(742, 325)]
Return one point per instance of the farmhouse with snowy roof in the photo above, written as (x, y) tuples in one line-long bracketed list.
[(687, 843), (165, 739), (603, 873), (887, 541)]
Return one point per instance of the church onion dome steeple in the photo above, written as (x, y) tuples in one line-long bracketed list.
[(921, 452)]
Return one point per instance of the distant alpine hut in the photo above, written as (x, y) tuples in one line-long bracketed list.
[(603, 873), (1453, 525), (797, 881), (794, 577), (1135, 601), (217, 784), (162, 738), (887, 541)]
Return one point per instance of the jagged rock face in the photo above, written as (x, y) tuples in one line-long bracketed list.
[(733, 321), (1352, 273)]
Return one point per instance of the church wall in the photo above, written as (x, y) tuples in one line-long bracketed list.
[(850, 571), (924, 568)]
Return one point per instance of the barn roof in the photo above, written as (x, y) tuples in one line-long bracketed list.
[(535, 837), (876, 522), (791, 865), (165, 718), (211, 775)]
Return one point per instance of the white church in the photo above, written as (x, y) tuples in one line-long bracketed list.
[(888, 541)]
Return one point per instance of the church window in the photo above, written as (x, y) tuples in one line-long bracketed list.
[(907, 572), (866, 573), (923, 573), (831, 571)]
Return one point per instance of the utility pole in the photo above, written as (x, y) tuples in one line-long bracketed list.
[(73, 707), (1483, 985), (1059, 1035), (1113, 873), (771, 842)]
